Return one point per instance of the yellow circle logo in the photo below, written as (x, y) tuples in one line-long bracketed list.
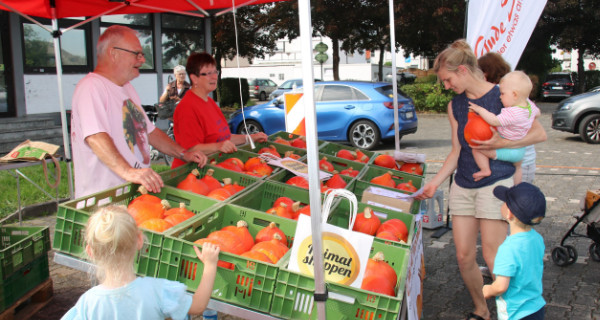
[(340, 260)]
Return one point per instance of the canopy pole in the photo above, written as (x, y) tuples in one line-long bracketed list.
[(320, 294), (63, 117), (394, 75)]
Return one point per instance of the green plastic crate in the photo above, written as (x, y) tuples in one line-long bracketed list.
[(283, 176), (175, 176), (291, 136), (20, 246), (331, 149), (73, 215), (340, 164), (23, 280), (293, 298), (339, 216), (264, 195), (360, 186), (281, 148), (251, 282)]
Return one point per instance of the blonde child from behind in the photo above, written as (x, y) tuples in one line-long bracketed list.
[(513, 123), (519, 261), (112, 241)]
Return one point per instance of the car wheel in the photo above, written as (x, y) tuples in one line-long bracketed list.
[(589, 130), (263, 96), (253, 127), (364, 134)]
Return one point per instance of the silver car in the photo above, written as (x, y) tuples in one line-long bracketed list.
[(579, 114), (261, 88)]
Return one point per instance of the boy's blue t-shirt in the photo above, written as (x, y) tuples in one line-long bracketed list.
[(520, 257), (143, 298)]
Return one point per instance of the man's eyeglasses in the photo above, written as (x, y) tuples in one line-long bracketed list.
[(204, 74), (138, 54)]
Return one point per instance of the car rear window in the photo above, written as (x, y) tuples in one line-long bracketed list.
[(388, 91), (558, 77), (251, 82)]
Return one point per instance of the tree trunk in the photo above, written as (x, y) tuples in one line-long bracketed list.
[(335, 46), (218, 56), (381, 55), (580, 71)]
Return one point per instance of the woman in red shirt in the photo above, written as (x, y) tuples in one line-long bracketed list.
[(198, 122)]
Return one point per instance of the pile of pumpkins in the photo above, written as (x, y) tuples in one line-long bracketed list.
[(387, 181), (393, 229), (387, 161), (155, 214), (379, 276), (209, 186), (269, 245), (285, 207), (357, 155)]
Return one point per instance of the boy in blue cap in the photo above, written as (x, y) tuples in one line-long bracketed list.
[(519, 262)]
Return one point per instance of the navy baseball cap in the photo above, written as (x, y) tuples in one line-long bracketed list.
[(525, 201)]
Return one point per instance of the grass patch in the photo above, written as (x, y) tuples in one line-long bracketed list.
[(29, 193)]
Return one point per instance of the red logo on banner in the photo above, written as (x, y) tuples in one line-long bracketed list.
[(484, 45)]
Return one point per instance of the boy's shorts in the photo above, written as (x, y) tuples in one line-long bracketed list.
[(479, 202), (510, 155)]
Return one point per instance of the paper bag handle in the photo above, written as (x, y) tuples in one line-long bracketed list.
[(330, 196)]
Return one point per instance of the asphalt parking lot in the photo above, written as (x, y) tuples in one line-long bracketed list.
[(567, 167)]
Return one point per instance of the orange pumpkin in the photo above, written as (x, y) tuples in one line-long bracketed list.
[(236, 162), (220, 263), (155, 224), (191, 183), (298, 181), (267, 233), (387, 235), (336, 182), (261, 170), (350, 172), (378, 284), (288, 201), (345, 154), (252, 162), (367, 222), (210, 181), (273, 248), (406, 186), (219, 194), (397, 227), (304, 210), (256, 256), (142, 210), (145, 197), (181, 209), (476, 128), (282, 141), (361, 157), (270, 149), (385, 160), (177, 218), (233, 188), (230, 241), (326, 165), (292, 155), (414, 168), (241, 230), (378, 266), (299, 142), (281, 211), (384, 180)]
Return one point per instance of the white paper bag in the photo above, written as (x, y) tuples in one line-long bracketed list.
[(345, 252)]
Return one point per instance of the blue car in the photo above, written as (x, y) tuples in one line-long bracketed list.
[(358, 112)]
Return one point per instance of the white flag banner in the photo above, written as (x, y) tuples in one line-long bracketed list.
[(502, 26)]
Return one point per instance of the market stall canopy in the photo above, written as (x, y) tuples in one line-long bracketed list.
[(87, 8)]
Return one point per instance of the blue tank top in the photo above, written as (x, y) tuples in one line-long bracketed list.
[(466, 163)]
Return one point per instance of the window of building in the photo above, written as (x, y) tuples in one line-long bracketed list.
[(181, 35), (142, 23), (39, 48)]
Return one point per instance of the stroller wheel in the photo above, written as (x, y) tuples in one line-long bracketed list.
[(572, 253), (562, 256), (595, 251)]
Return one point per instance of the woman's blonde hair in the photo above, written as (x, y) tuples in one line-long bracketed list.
[(459, 53), (112, 236)]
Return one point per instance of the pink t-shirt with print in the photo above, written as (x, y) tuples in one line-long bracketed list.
[(100, 105)]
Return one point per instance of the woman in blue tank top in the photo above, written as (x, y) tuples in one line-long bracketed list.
[(472, 204)]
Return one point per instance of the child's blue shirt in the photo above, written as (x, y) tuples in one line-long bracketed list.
[(143, 298), (521, 257)]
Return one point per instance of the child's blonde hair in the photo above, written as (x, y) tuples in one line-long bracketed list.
[(518, 82), (112, 236), (457, 54)]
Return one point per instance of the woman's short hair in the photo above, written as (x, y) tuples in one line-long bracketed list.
[(178, 69), (197, 61), (459, 53), (494, 67)]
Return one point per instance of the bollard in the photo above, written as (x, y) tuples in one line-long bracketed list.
[(432, 215)]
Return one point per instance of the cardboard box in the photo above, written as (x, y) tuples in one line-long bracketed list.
[(387, 199)]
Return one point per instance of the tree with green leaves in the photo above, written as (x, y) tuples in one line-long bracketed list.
[(574, 24)]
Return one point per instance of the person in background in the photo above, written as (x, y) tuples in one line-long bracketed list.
[(112, 242), (110, 131), (474, 209), (513, 122), (494, 67), (519, 263), (175, 90), (198, 122)]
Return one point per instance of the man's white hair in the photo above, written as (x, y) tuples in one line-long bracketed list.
[(178, 69)]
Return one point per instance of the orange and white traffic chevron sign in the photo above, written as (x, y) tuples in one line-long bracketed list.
[(294, 113)]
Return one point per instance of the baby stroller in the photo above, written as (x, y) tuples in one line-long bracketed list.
[(565, 255)]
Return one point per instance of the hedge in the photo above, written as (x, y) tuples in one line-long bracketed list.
[(428, 95), (229, 92)]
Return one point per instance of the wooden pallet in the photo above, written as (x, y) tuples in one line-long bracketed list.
[(29, 304)]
